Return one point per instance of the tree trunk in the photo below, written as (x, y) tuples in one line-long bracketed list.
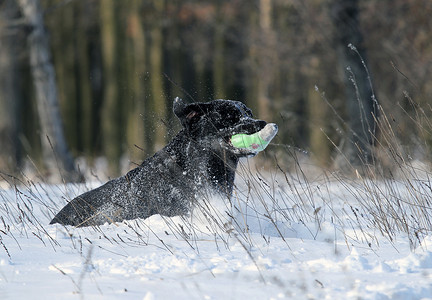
[(135, 114), (317, 119), (265, 58), (219, 89), (360, 99), (54, 147), (82, 75), (157, 88), (9, 92), (111, 130)]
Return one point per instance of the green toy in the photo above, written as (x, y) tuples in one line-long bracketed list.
[(257, 141)]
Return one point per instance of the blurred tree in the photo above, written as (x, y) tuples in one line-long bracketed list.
[(219, 89), (111, 118), (54, 147), (135, 119), (9, 89), (75, 43), (159, 104), (360, 99), (266, 56), (399, 44), (317, 119), (82, 12)]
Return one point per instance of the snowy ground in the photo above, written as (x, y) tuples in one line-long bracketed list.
[(287, 238)]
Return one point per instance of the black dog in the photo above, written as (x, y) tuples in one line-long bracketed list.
[(199, 160)]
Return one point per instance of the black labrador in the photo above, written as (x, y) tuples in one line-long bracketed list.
[(199, 161)]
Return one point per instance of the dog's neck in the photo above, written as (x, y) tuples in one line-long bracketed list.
[(209, 165), (222, 165)]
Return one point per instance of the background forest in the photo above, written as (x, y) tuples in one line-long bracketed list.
[(119, 64)]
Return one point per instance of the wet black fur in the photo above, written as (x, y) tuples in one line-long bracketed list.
[(197, 162)]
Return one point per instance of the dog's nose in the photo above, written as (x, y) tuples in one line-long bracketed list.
[(249, 125)]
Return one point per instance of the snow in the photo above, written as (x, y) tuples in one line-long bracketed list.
[(284, 238)]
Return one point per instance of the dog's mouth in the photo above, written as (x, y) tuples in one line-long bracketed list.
[(248, 128), (227, 145)]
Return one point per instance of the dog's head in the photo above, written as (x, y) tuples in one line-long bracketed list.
[(216, 121)]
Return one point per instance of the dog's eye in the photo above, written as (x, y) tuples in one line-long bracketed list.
[(232, 118)]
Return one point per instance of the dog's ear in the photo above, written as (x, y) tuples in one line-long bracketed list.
[(187, 113), (179, 107)]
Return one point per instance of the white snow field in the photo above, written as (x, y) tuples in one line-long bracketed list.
[(281, 237)]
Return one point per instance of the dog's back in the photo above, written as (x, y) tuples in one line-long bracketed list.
[(158, 185)]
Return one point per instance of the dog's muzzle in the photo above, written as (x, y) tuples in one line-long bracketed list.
[(250, 137)]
